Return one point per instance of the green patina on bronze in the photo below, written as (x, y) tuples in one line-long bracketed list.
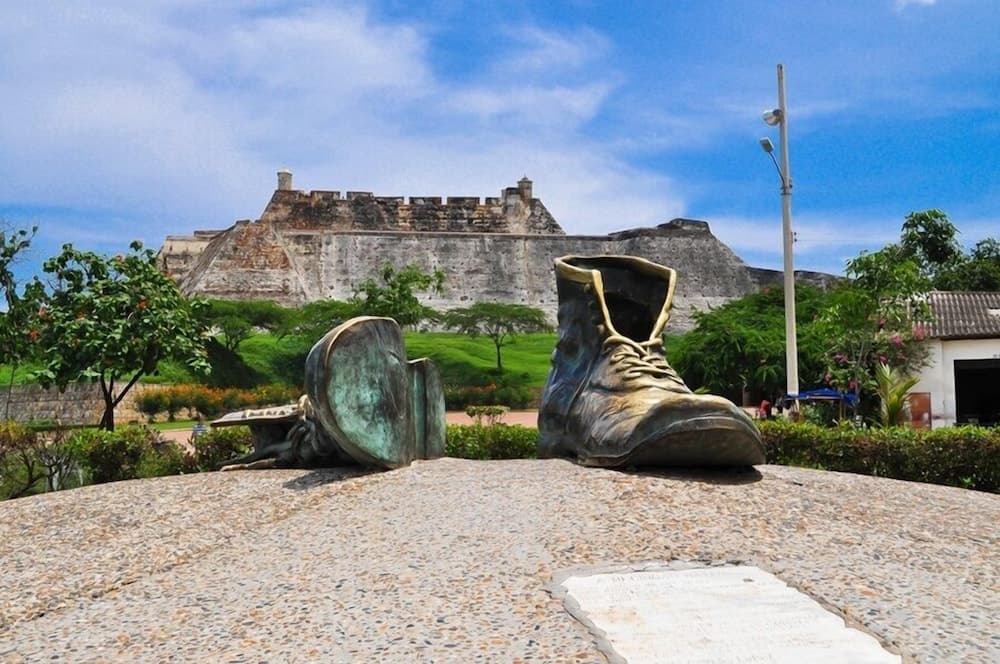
[(370, 398), (365, 403)]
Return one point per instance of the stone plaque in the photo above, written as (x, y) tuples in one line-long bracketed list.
[(712, 615)]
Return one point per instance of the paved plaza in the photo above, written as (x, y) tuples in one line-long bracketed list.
[(454, 561)]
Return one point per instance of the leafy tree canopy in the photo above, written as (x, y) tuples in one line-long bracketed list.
[(741, 344), (236, 320), (876, 318), (394, 294), (113, 320), (930, 238), (498, 321), (311, 321), (16, 306)]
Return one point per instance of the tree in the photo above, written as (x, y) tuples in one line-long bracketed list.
[(980, 271), (237, 320), (314, 319), (17, 306), (500, 322), (929, 238), (876, 318), (740, 346), (395, 296), (112, 320)]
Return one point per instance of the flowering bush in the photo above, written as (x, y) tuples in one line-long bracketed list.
[(210, 401)]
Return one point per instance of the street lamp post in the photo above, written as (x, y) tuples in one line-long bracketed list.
[(779, 116)]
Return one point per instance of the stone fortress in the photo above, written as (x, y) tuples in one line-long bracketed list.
[(314, 245)]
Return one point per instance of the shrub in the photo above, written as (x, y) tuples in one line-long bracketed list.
[(111, 456), (498, 441), (207, 401), (218, 445), (958, 456), (151, 402), (275, 395), (164, 458), (459, 397), (492, 414), (21, 469), (211, 401)]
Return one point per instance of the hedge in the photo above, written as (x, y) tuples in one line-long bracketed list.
[(497, 441), (965, 456)]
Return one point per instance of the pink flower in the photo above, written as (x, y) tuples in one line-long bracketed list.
[(853, 385), (840, 358), (883, 359), (896, 339), (919, 332)]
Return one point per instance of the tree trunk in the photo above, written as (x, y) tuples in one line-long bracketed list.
[(499, 363), (10, 389), (108, 419)]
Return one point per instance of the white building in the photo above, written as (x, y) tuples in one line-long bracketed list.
[(961, 385)]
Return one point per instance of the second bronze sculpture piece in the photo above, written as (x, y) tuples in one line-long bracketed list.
[(611, 398)]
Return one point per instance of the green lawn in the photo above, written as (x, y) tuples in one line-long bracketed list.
[(264, 358), (462, 359), (176, 425), (20, 374)]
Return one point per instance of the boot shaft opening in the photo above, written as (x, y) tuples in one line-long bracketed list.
[(635, 292)]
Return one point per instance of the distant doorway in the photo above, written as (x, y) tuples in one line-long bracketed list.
[(977, 392), (920, 410)]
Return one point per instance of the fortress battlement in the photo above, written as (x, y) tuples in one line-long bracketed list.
[(514, 211)]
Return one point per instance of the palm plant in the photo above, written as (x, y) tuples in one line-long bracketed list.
[(893, 390)]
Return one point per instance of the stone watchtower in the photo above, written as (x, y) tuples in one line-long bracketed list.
[(284, 180)]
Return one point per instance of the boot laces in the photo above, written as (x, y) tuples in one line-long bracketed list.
[(634, 359)]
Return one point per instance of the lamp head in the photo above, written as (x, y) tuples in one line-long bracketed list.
[(767, 145), (773, 116)]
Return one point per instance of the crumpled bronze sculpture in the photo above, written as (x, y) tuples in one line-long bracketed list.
[(611, 398), (365, 404)]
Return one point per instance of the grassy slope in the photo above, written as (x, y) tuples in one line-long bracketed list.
[(460, 359)]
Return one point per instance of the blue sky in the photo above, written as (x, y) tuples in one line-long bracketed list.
[(134, 120)]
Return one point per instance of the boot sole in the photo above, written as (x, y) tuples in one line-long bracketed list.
[(701, 441), (381, 409)]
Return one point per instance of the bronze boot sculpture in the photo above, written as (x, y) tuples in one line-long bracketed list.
[(383, 410), (611, 398), (365, 404)]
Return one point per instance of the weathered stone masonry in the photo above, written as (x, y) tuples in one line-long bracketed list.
[(313, 245)]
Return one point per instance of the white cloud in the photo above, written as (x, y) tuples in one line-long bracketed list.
[(533, 104), (822, 243), (162, 118), (542, 52)]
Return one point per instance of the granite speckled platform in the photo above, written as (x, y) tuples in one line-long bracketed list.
[(450, 560)]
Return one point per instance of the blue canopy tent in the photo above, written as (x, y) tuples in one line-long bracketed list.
[(825, 394)]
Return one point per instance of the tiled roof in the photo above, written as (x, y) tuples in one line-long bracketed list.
[(965, 315)]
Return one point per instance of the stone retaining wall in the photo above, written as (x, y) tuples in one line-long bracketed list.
[(80, 403)]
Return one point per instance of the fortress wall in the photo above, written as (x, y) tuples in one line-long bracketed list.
[(180, 252), (246, 262), (508, 268)]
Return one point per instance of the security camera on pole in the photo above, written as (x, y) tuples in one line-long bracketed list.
[(779, 117)]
